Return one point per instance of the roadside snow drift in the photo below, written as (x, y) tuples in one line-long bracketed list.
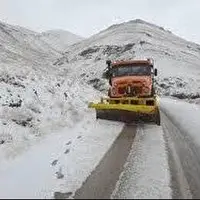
[(58, 164), (184, 115)]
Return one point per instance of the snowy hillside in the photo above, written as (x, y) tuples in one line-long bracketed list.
[(35, 96), (37, 102), (44, 111), (19, 45), (177, 60), (60, 39)]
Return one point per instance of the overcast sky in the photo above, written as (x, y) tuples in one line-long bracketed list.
[(86, 17)]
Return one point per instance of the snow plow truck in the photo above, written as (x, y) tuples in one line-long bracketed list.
[(131, 95)]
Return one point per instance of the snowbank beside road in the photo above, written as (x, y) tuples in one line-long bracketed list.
[(60, 162), (184, 115)]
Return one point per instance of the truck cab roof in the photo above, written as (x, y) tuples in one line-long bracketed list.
[(131, 62)]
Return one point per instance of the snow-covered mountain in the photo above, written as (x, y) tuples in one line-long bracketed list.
[(60, 39), (177, 60)]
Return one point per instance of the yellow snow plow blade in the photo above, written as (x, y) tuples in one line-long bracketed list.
[(127, 109), (134, 108)]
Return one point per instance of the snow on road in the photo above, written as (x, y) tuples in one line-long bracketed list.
[(60, 162), (184, 115), (181, 124), (146, 173)]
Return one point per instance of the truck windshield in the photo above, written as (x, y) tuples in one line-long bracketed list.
[(131, 70)]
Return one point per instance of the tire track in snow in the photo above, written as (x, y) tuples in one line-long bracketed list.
[(146, 173), (102, 180), (134, 167)]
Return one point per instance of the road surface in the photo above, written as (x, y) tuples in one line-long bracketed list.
[(183, 158)]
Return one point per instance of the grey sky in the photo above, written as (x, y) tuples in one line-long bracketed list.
[(86, 17)]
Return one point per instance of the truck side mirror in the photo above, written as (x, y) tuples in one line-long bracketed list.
[(108, 62), (155, 72), (110, 82)]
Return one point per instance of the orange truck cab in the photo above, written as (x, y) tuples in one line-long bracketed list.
[(132, 78)]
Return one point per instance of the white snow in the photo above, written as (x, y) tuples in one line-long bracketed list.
[(146, 174), (60, 39), (31, 175), (23, 47), (184, 115)]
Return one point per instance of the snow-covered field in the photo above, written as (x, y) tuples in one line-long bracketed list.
[(58, 163)]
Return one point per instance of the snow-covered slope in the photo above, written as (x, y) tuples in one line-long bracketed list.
[(42, 109), (177, 60), (19, 45), (33, 92), (60, 39)]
